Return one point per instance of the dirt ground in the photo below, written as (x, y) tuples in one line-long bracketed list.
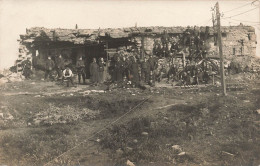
[(42, 123)]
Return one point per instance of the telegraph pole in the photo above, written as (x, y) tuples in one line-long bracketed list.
[(223, 84)]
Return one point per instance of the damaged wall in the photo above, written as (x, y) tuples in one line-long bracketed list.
[(232, 38)]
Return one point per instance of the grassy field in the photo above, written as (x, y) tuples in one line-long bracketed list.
[(42, 123)]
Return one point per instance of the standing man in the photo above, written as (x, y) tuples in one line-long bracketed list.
[(94, 72), (49, 65), (59, 66), (80, 65), (35, 61), (101, 65), (145, 70), (134, 71), (118, 70), (27, 68)]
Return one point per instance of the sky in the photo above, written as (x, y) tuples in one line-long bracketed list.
[(16, 16)]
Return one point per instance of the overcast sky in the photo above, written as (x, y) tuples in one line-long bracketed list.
[(16, 16)]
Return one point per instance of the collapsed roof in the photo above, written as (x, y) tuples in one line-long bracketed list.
[(90, 36)]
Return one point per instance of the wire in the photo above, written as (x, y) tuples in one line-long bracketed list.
[(239, 7), (241, 20), (104, 128), (241, 13)]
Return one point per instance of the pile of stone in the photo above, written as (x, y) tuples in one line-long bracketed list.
[(7, 76)]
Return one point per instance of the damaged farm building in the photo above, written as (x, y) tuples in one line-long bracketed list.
[(239, 42)]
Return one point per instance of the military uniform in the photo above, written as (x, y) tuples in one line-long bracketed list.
[(118, 71), (80, 65), (27, 68), (145, 71), (134, 72), (94, 72), (101, 69), (49, 66), (59, 66)]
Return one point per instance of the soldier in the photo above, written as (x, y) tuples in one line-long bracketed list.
[(101, 65), (192, 50), (125, 68), (80, 65), (49, 65), (27, 68), (59, 66), (94, 72), (68, 76), (134, 72), (203, 50), (35, 61), (172, 71), (145, 70), (118, 70)]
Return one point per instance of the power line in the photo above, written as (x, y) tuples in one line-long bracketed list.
[(237, 7), (240, 13), (241, 20)]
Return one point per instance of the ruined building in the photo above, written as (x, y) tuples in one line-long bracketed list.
[(239, 42)]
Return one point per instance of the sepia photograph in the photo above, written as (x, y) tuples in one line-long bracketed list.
[(129, 83)]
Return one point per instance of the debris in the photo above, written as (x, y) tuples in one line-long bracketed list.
[(9, 116), (98, 140), (144, 133), (37, 96), (129, 163), (33, 83), (246, 101), (177, 148), (258, 111), (119, 151), (2, 115), (182, 154), (129, 149), (135, 141), (228, 153)]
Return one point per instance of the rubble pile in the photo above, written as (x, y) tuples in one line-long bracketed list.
[(62, 115), (8, 76)]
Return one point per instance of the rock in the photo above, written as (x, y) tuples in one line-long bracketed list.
[(182, 154), (135, 140), (129, 149), (2, 115), (258, 111), (144, 133), (176, 148), (98, 140), (33, 83), (204, 111), (119, 151), (9, 117), (37, 96), (129, 163)]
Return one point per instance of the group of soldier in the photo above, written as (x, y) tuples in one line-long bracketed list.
[(126, 68)]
